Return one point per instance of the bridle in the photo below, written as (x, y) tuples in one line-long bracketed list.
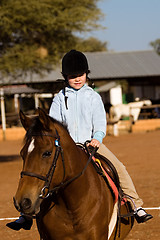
[(46, 191)]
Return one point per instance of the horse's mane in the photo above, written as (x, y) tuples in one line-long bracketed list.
[(37, 128)]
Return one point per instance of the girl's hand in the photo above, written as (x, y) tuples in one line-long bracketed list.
[(94, 143)]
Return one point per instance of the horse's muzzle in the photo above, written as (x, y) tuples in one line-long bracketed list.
[(24, 205)]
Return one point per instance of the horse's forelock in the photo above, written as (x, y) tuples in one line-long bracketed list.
[(35, 129)]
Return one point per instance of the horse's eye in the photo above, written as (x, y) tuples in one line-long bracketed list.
[(46, 154)]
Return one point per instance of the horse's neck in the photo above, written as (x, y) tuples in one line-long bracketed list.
[(74, 158), (80, 188), (75, 161)]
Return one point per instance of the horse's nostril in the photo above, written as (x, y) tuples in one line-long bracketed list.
[(26, 204)]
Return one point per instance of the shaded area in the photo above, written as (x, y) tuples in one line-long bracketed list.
[(9, 158)]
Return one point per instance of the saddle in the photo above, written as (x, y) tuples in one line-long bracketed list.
[(106, 169)]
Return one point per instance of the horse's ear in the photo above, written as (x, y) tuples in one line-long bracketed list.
[(26, 121), (44, 118)]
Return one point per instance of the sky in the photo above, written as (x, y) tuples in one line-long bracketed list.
[(131, 24)]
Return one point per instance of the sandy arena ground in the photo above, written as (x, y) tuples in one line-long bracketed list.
[(140, 152)]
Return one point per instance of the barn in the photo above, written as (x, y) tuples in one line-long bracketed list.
[(118, 77)]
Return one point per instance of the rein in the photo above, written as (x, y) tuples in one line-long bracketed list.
[(45, 191)]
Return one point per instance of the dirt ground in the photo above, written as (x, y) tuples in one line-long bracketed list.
[(140, 152)]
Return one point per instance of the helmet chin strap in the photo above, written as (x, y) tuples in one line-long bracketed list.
[(91, 83), (64, 91), (65, 99)]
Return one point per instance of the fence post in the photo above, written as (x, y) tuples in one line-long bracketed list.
[(115, 129), (3, 114)]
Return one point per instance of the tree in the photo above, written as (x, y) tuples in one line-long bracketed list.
[(34, 34), (91, 45), (156, 45)]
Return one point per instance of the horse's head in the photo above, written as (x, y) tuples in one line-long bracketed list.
[(147, 102), (42, 169)]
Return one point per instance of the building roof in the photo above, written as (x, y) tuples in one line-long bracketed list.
[(124, 64), (105, 66), (22, 89)]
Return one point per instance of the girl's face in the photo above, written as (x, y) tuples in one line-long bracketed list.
[(77, 81)]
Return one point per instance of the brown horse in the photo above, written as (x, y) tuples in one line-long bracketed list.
[(61, 188)]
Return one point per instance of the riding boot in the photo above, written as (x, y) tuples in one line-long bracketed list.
[(24, 222), (142, 216)]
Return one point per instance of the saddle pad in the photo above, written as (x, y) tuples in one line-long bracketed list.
[(110, 181), (113, 220)]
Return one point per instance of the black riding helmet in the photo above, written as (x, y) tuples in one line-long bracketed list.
[(74, 62)]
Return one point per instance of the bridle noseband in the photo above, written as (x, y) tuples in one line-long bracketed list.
[(46, 191)]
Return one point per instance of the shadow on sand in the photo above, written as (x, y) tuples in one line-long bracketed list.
[(9, 158)]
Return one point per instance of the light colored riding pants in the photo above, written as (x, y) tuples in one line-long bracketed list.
[(124, 178)]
